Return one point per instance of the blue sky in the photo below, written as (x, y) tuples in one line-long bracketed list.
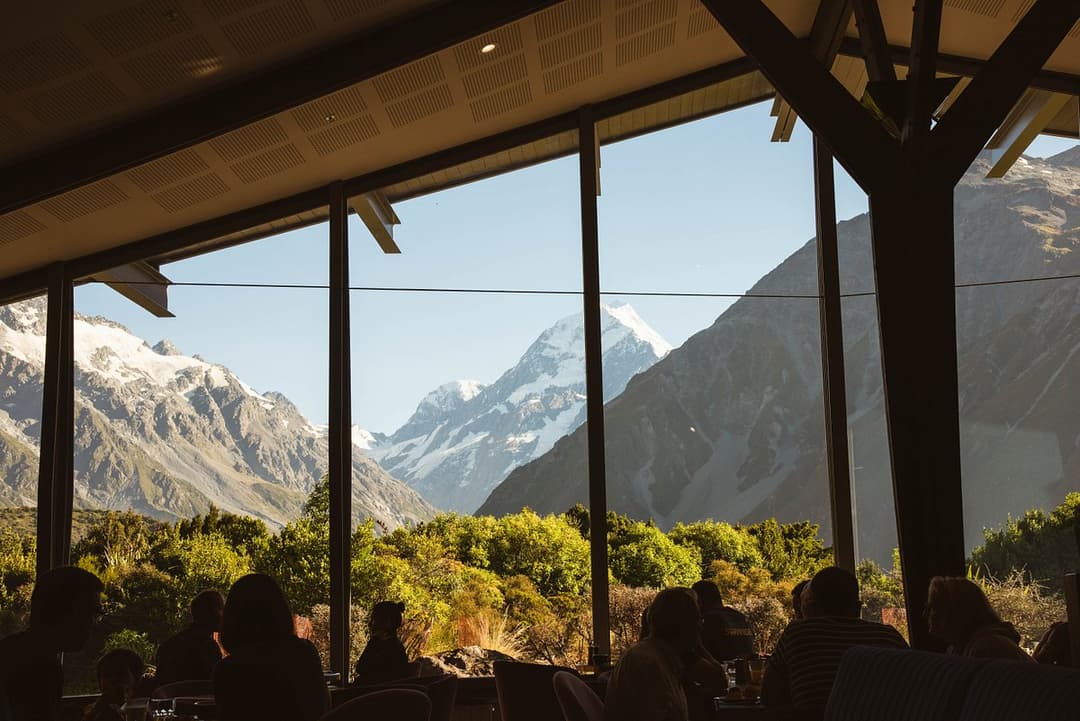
[(706, 207)]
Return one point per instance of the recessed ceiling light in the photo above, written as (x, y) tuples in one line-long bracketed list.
[(488, 48), (330, 117)]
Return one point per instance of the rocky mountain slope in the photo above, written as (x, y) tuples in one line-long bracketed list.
[(730, 425), (167, 434), (465, 437)]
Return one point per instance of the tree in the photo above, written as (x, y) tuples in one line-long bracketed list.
[(719, 541), (116, 539), (640, 555), (1043, 546), (791, 550), (548, 550)]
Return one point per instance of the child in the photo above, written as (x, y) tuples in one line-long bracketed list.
[(118, 671), (384, 658)]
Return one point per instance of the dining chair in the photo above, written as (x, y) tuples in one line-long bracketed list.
[(577, 701), (394, 704), (525, 691)]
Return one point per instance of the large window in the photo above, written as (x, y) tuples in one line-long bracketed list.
[(1017, 365), (715, 449), (22, 374), (200, 441)]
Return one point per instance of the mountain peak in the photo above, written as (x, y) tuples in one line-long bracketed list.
[(453, 394), (166, 347), (625, 315)]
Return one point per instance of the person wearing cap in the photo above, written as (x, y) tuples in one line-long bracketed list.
[(384, 658)]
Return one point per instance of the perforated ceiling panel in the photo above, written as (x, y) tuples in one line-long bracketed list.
[(701, 22), (267, 27), (415, 91), (344, 135), (84, 201), (324, 111), (18, 225), (165, 171), (249, 139), (990, 8), (571, 53), (38, 62), (192, 192), (188, 58), (139, 25), (66, 103), (644, 28), (268, 163)]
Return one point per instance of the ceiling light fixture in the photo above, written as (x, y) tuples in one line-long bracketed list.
[(488, 48), (330, 117)]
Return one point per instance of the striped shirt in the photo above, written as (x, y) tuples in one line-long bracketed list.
[(802, 668)]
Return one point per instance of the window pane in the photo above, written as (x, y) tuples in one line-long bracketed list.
[(22, 375)]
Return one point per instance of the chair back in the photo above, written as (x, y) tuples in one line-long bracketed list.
[(442, 692), (577, 701), (1006, 690), (184, 688), (394, 704), (526, 691)]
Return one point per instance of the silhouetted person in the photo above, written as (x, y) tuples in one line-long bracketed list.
[(268, 672), (1054, 647), (801, 670), (647, 683), (796, 599), (725, 632), (65, 603), (191, 654), (958, 612), (384, 657), (118, 672)]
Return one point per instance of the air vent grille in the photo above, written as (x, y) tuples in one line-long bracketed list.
[(9, 129), (167, 170), (86, 95), (38, 62), (573, 73), (187, 59), (493, 77), (343, 9), (701, 22), (644, 16), (507, 40), (224, 8), (421, 105), (565, 17), (343, 135), (569, 46), (268, 163), (275, 25), (18, 225), (1022, 10), (641, 46), (76, 203), (324, 111), (412, 78), (138, 26), (990, 8), (191, 193), (501, 102), (247, 140)]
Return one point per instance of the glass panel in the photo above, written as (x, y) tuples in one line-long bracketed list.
[(22, 375), (200, 443), (1017, 367), (467, 397), (715, 450)]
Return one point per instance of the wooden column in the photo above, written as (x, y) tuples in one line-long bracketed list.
[(594, 382), (340, 433), (832, 360), (56, 465)]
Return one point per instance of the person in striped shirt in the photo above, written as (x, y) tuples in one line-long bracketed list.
[(800, 672)]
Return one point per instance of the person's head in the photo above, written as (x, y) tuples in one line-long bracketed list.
[(796, 598), (831, 592), (207, 610), (708, 595), (674, 617), (386, 618), (65, 603), (1054, 648), (956, 608), (255, 612), (117, 672)]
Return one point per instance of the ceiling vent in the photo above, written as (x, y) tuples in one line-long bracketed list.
[(332, 108), (640, 17), (249, 139), (191, 193), (344, 9), (644, 45), (268, 28), (565, 17), (38, 62), (89, 199), (409, 79), (502, 101), (489, 79), (168, 170), (224, 8), (18, 225), (137, 26), (701, 22), (188, 59), (421, 105), (990, 8), (571, 74), (343, 135), (87, 95), (572, 58), (267, 163)]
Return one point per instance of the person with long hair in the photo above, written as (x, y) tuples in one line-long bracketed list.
[(268, 672), (959, 613)]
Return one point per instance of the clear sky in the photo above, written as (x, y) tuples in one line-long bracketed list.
[(710, 207)]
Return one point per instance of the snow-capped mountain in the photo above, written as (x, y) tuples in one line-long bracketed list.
[(166, 434), (465, 437), (730, 426)]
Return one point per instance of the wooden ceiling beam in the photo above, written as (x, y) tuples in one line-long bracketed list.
[(875, 46), (169, 129)]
